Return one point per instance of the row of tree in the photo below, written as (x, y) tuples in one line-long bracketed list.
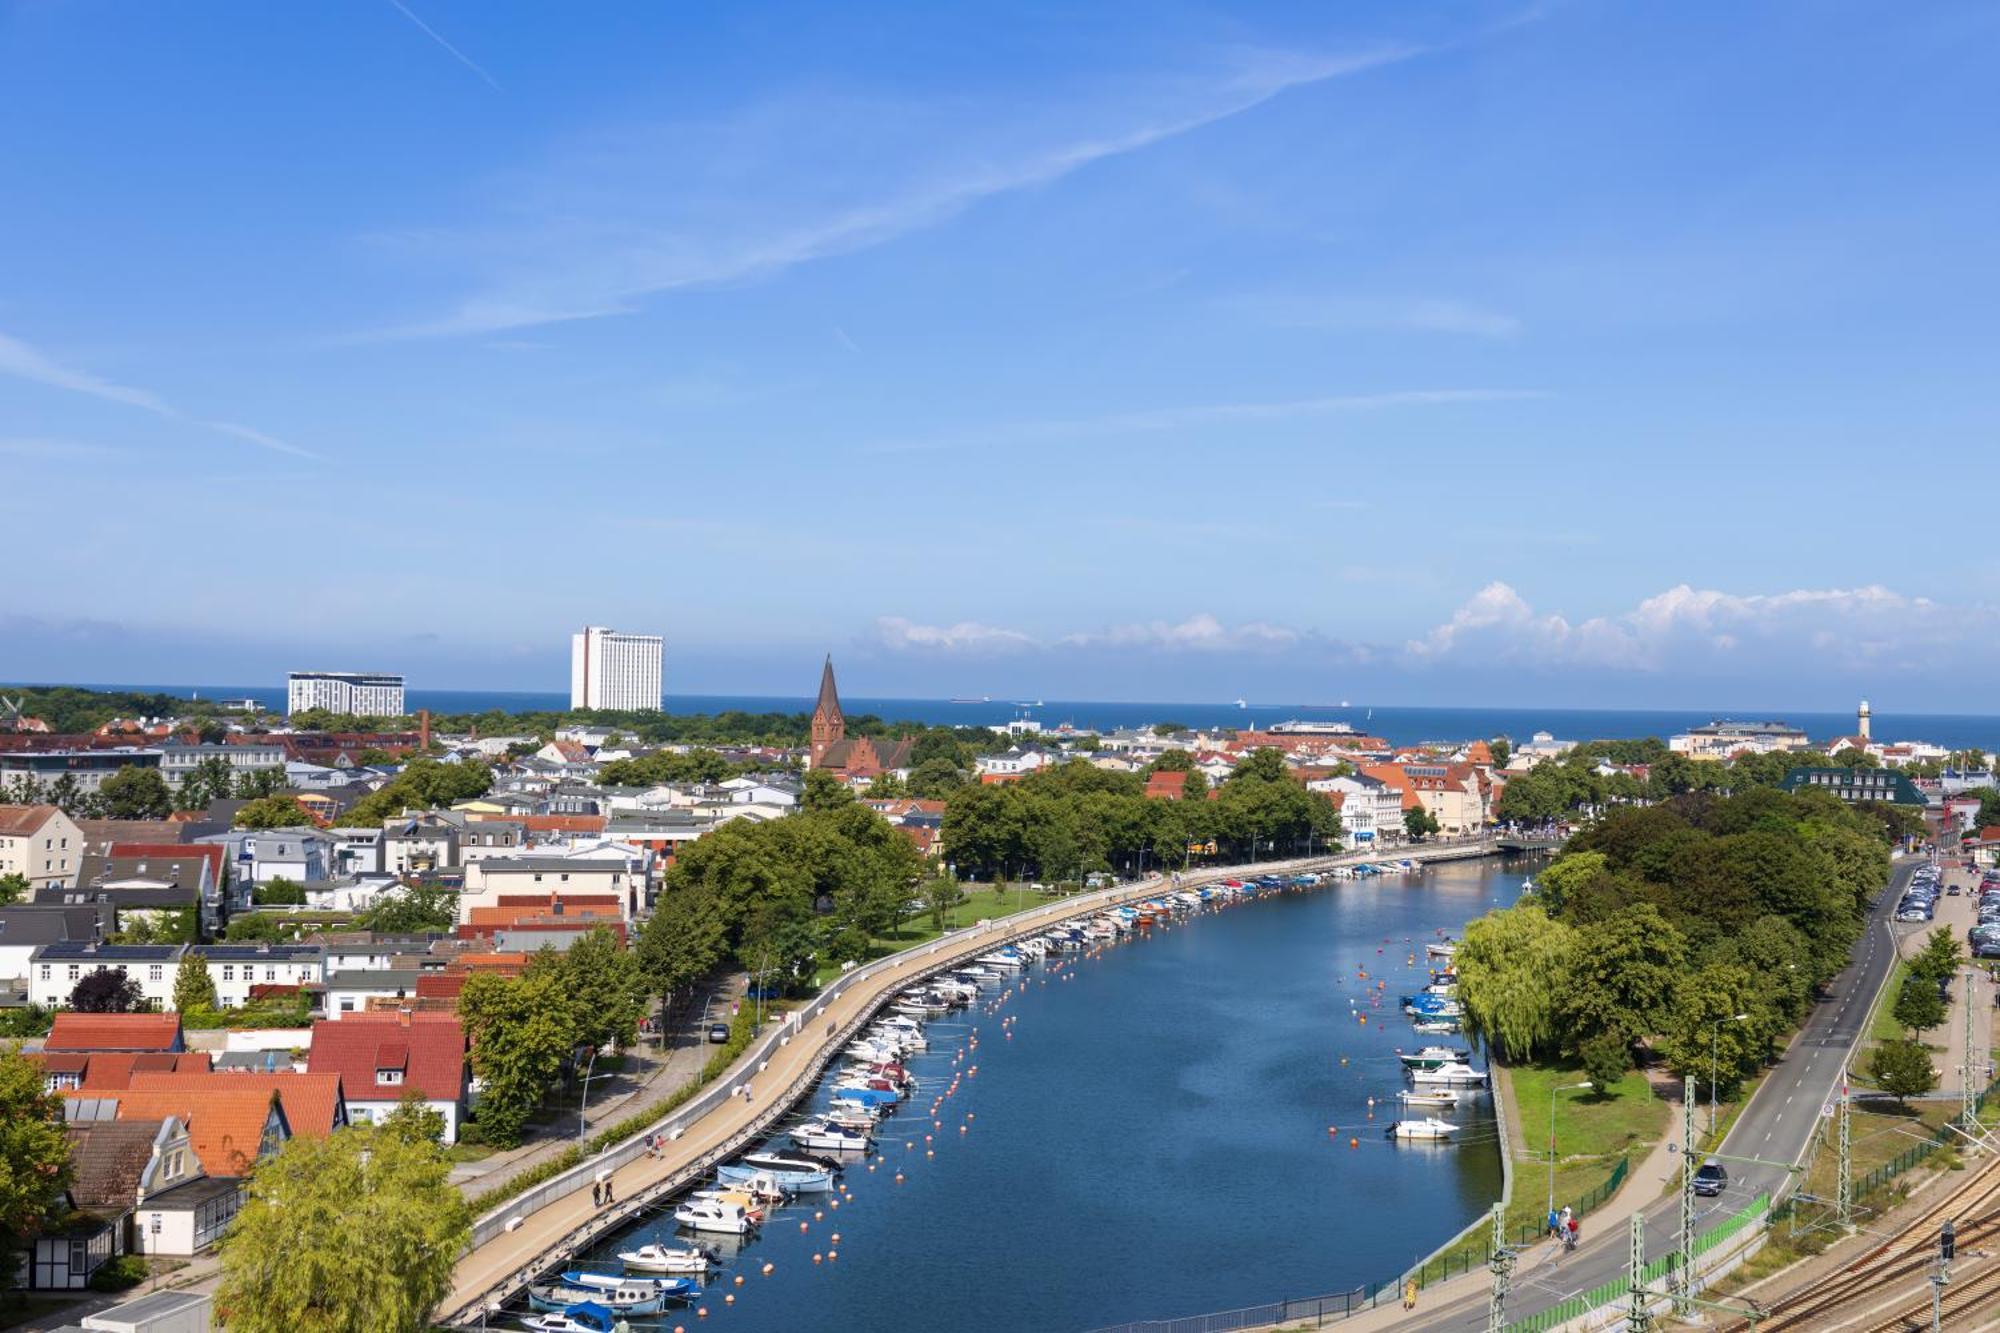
[(1068, 820), (1665, 923)]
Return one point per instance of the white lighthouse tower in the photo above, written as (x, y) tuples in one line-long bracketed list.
[(1861, 721)]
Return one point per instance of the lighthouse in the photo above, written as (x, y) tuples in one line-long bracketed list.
[(1861, 721)]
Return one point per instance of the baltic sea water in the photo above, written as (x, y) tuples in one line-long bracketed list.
[(1151, 1135)]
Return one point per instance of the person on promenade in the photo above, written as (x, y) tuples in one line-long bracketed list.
[(1554, 1225), (596, 1194), (1569, 1243), (607, 1189), (1410, 1294)]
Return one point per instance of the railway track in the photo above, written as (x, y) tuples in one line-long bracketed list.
[(1969, 1302), (1974, 1208)]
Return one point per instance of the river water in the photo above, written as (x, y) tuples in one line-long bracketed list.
[(1149, 1135)]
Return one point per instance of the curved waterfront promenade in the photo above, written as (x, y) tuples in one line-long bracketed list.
[(525, 1237)]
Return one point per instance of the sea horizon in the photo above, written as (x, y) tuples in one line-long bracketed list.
[(1399, 724)]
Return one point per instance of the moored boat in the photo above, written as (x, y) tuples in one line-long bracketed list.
[(825, 1134), (670, 1287), (622, 1300), (586, 1317), (718, 1215), (1449, 1075), (653, 1257), (1430, 1127), (1430, 1097), (1430, 1057)]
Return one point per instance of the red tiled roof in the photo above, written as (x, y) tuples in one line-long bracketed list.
[(211, 852), (18, 821), (109, 1071), (225, 1124), (114, 1032), (311, 1101), (430, 1049), (1167, 785)]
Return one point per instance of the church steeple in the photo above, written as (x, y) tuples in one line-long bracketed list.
[(828, 726)]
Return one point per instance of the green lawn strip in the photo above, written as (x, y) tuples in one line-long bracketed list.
[(979, 905)]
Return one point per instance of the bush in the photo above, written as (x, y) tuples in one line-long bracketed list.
[(126, 1271), (1606, 1057), (279, 892)]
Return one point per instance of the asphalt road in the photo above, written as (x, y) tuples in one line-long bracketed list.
[(1776, 1127)]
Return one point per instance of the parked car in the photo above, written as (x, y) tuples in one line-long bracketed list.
[(1711, 1179), (718, 1033)]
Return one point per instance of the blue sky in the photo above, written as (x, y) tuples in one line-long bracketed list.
[(1463, 353)]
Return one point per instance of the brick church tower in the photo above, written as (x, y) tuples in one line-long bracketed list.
[(828, 726)]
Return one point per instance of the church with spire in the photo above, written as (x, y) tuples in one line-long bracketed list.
[(863, 757)]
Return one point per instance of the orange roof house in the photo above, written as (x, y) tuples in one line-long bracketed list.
[(115, 1032), (1166, 785), (231, 1129), (313, 1103)]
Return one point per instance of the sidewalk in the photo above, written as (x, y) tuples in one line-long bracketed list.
[(660, 1077)]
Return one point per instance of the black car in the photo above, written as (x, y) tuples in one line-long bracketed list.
[(718, 1033), (1710, 1179)]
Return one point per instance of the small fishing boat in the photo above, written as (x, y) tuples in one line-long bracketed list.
[(810, 1180), (1430, 1127), (622, 1300), (586, 1317), (654, 1257), (718, 1215), (669, 1287), (1441, 948), (825, 1134), (1436, 1027), (1446, 1097), (1430, 1057), (1449, 1075)]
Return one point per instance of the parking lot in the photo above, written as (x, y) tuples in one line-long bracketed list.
[(1962, 913)]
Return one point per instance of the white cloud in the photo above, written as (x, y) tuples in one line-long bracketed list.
[(456, 54), (550, 266), (24, 362), (1686, 628), (967, 636)]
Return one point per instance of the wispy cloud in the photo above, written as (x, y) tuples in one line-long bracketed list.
[(28, 363), (557, 269), (1195, 416), (456, 54)]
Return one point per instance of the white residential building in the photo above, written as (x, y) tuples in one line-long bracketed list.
[(1371, 810), (612, 670), (54, 970), (41, 844), (235, 968), (364, 693)]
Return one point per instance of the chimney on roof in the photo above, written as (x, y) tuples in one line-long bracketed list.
[(424, 728), (403, 1016)]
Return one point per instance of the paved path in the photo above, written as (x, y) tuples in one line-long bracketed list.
[(1775, 1127)]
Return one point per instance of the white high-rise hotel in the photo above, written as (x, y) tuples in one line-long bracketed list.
[(366, 693), (612, 670)]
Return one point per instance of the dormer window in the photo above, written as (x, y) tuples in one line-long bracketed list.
[(388, 1076)]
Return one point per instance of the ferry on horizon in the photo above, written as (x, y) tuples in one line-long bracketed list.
[(982, 699)]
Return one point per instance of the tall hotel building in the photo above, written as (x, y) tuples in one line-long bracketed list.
[(612, 670), (364, 693)]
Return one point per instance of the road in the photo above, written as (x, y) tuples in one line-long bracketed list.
[(1776, 1127)]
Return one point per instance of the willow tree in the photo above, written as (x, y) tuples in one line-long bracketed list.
[(357, 1232), (1511, 969)]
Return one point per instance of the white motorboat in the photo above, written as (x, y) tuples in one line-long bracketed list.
[(1430, 1127), (826, 1134), (717, 1215), (1432, 1057), (1449, 1075), (1446, 1097), (626, 1298), (587, 1317), (653, 1257)]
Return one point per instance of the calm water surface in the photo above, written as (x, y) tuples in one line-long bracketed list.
[(1150, 1135)]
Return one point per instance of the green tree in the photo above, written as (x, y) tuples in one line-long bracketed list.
[(935, 779), (269, 812), (1419, 823), (414, 1120), (1903, 1069), (1622, 975), (606, 987), (1511, 968), (194, 988), (1919, 1007), (523, 1030), (1702, 1036), (106, 992), (1940, 958), (823, 791), (357, 1232), (278, 891), (13, 888), (210, 780), (136, 793), (413, 909), (941, 894), (34, 1153), (1606, 1058), (680, 944), (255, 784), (1502, 749)]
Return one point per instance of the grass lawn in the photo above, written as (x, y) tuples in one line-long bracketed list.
[(979, 905)]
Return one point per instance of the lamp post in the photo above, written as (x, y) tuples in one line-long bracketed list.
[(1566, 1087), (1715, 1062), (583, 1100)]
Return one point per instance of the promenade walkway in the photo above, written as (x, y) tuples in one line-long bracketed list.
[(504, 1261)]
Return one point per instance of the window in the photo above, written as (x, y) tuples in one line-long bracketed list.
[(75, 971), (229, 971), (45, 971), (154, 973), (388, 1076), (270, 974)]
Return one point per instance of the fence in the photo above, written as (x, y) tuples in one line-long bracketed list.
[(1462, 1258), (1580, 1305)]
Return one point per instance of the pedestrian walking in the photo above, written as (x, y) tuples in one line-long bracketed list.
[(1573, 1231), (607, 1189), (1410, 1294), (1554, 1225), (596, 1194)]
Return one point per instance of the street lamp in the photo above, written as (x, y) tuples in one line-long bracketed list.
[(1714, 1061), (583, 1100), (1567, 1087)]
